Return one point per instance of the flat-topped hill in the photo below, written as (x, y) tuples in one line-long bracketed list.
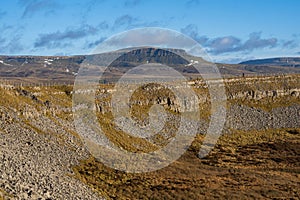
[(62, 69)]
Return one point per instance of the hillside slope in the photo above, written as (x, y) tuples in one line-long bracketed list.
[(42, 156)]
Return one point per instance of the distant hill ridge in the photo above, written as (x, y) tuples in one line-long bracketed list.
[(280, 61), (65, 68)]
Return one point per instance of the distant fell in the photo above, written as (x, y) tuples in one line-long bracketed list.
[(63, 69), (280, 61)]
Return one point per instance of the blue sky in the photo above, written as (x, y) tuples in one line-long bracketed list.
[(230, 30)]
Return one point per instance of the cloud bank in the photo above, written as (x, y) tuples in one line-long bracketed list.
[(228, 44), (56, 39)]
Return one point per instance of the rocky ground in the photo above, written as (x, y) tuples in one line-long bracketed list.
[(42, 157), (37, 166), (38, 150)]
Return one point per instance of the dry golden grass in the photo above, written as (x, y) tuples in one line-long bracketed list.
[(4, 195), (227, 172), (267, 104)]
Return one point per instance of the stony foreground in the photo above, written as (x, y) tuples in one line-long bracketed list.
[(38, 148)]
